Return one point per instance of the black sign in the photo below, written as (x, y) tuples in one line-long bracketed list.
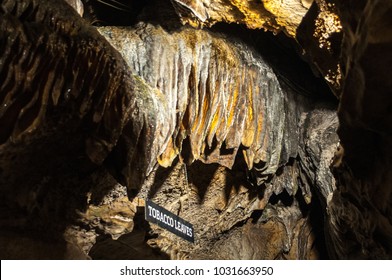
[(167, 220)]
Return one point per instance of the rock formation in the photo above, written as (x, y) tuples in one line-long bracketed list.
[(208, 123), (360, 217), (271, 15)]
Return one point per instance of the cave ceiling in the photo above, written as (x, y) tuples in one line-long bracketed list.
[(264, 124)]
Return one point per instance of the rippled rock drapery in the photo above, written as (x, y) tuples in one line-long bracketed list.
[(314, 24), (359, 210), (189, 67), (215, 92), (203, 98)]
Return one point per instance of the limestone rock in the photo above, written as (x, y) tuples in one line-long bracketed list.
[(62, 110), (77, 5), (320, 36), (314, 24), (318, 149), (187, 68), (216, 109), (197, 121), (360, 212), (271, 15)]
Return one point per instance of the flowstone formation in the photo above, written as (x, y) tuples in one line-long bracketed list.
[(221, 104), (214, 93), (206, 123)]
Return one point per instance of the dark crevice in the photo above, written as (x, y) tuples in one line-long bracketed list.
[(256, 215), (113, 13), (131, 246), (283, 197)]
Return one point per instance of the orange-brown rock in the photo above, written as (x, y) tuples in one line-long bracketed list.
[(204, 102), (272, 15), (93, 122), (320, 36), (314, 24), (187, 67)]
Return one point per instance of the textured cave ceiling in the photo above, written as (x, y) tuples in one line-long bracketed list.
[(265, 124)]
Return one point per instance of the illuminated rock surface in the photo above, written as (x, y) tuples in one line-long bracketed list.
[(318, 32), (320, 36), (209, 124), (215, 92), (271, 15)]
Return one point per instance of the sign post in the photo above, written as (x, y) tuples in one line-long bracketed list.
[(167, 220)]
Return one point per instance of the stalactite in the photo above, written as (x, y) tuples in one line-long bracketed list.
[(213, 91)]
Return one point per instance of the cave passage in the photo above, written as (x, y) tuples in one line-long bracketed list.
[(238, 119)]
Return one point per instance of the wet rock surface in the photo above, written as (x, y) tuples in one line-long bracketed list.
[(95, 121), (271, 15)]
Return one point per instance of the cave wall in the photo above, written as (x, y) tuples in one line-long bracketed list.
[(96, 120), (360, 209), (270, 15)]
